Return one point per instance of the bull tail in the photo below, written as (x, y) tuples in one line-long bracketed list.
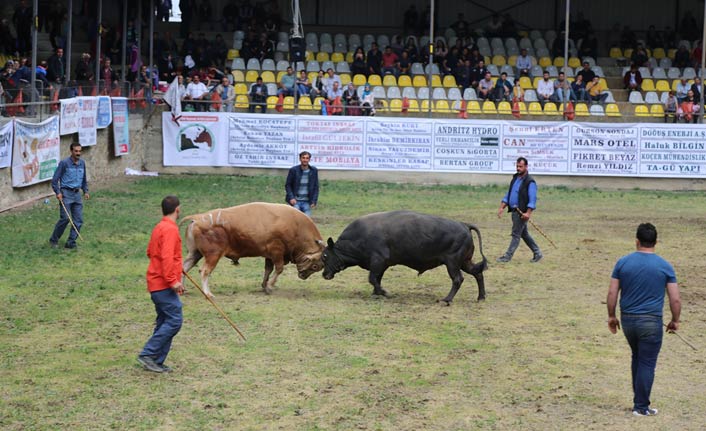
[(472, 227)]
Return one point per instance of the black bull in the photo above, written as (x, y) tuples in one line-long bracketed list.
[(419, 241)]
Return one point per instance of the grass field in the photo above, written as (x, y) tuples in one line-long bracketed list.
[(326, 355)]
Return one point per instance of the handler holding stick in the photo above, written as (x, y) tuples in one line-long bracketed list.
[(522, 196), (164, 285), (68, 182), (641, 278)]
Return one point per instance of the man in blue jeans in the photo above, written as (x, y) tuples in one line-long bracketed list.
[(302, 185), (641, 278), (68, 181)]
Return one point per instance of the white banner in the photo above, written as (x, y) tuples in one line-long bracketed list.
[(35, 152), (69, 116), (88, 109), (121, 130), (6, 144), (104, 116), (437, 145)]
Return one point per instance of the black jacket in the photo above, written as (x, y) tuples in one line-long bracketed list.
[(294, 178)]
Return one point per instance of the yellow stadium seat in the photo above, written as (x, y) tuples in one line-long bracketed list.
[(280, 74), (676, 82), (574, 62), (317, 103), (616, 52), (662, 85), (396, 105), (389, 80), (558, 61), (305, 103), (241, 88), (486, 59), (535, 81), (603, 83), (535, 108), (522, 107), (550, 109), (372, 80), (512, 60), (413, 105), (251, 75), (322, 56), (435, 81), (671, 53), (308, 56), (419, 81), (424, 106), (525, 82), (627, 53), (383, 104), (642, 111), (442, 107), (499, 60), (232, 53), (345, 78), (648, 84), (450, 81), (659, 53), (612, 110), (288, 103), (581, 110), (489, 107), (242, 101), (404, 81), (349, 57), (267, 76), (504, 108), (657, 110), (272, 102), (337, 57), (649, 52), (473, 107), (359, 79), (545, 62), (312, 77), (238, 76)]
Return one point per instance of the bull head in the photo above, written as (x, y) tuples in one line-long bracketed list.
[(332, 262), (310, 263)]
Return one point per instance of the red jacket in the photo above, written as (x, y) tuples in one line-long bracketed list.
[(164, 251)]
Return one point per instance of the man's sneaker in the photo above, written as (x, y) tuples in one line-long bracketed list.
[(70, 246), (647, 412), (536, 258), (149, 364), (52, 244), (165, 368), (504, 258)]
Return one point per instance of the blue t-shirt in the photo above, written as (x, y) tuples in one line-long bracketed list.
[(643, 281)]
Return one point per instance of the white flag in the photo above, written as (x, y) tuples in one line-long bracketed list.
[(173, 98)]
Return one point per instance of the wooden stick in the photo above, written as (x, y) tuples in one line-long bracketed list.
[(25, 202), (214, 304), (680, 337), (538, 229), (69, 216)]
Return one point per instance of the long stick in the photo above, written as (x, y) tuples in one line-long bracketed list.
[(681, 338), (538, 229), (215, 305), (70, 219)]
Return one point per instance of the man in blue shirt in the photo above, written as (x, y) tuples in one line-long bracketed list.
[(302, 185), (641, 278), (521, 195), (68, 181)]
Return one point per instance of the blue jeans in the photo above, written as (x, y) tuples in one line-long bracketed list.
[(519, 231), (74, 204), (644, 335), (304, 207), (169, 320)]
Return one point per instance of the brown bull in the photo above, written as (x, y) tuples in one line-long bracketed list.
[(279, 233)]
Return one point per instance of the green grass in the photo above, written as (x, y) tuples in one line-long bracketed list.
[(325, 355)]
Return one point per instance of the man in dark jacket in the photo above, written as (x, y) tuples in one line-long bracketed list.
[(520, 200), (57, 67), (302, 185)]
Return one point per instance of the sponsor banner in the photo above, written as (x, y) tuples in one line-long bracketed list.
[(104, 116), (69, 116), (438, 145), (35, 151), (6, 133), (88, 108), (197, 139), (121, 131)]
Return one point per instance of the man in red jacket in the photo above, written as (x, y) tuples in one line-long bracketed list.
[(164, 285)]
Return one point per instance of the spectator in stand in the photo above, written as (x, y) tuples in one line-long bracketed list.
[(589, 45), (683, 88), (197, 92), (449, 64), (404, 64), (632, 80), (84, 73), (503, 89), (440, 51), (696, 56), (596, 91), (690, 108), (579, 89), (562, 90), (682, 58), (264, 48), (545, 89), (258, 96), (461, 26), (654, 39), (396, 45), (286, 85), (303, 84), (330, 79), (334, 100), (697, 88), (478, 73), (57, 67), (163, 9), (410, 20), (227, 94), (359, 66), (188, 47), (475, 57), (374, 60), (351, 100), (586, 73), (671, 106), (524, 63), (319, 87), (411, 48), (108, 76), (639, 57), (167, 67), (558, 45), (42, 83), (485, 87), (463, 74), (390, 64), (367, 101)]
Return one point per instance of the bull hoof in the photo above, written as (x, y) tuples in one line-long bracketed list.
[(267, 290), (381, 293), (481, 299), (444, 302)]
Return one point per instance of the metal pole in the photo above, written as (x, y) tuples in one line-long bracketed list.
[(151, 64), (69, 40), (98, 45), (35, 28), (703, 63), (566, 49), (123, 68), (431, 52)]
